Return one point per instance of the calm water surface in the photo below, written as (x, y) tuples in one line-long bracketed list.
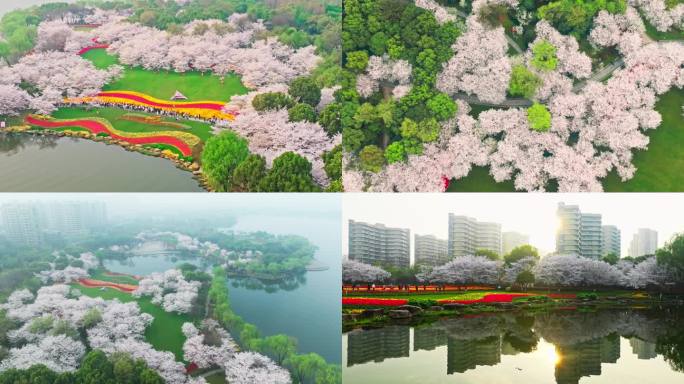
[(50, 164), (308, 310), (568, 347)]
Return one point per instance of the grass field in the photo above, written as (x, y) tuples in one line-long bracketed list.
[(479, 180), (201, 130), (165, 331), (163, 84), (100, 274), (655, 34), (218, 378), (660, 168)]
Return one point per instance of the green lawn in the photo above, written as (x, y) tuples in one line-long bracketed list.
[(655, 34), (100, 274), (218, 378), (479, 180), (164, 333), (660, 168), (163, 84), (201, 130)]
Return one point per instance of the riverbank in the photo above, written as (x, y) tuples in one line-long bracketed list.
[(188, 166), (377, 314)]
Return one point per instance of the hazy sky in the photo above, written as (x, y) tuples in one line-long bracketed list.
[(533, 214), (141, 204), (9, 5)]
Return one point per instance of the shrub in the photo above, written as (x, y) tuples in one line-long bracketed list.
[(272, 101), (587, 296)]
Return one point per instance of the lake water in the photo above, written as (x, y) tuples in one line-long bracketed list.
[(309, 311), (566, 347), (49, 164), (9, 5)]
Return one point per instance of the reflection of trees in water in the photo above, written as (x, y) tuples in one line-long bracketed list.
[(13, 143), (287, 283), (583, 341)]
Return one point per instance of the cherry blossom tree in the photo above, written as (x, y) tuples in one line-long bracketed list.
[(251, 367), (571, 60), (466, 270), (386, 74), (357, 272), (648, 272), (575, 271), (53, 35), (58, 353), (204, 355), (13, 100), (169, 289), (622, 30), (514, 269), (441, 14), (658, 14), (480, 65)]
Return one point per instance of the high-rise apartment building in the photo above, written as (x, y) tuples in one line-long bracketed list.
[(29, 222), (511, 240), (430, 251), (611, 240), (377, 244), (644, 242), (22, 223), (466, 235), (579, 233)]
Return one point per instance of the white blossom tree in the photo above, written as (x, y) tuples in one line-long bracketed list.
[(357, 272), (251, 367), (466, 270)]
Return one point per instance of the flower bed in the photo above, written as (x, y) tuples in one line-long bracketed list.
[(490, 298), (200, 109), (152, 120), (373, 302), (99, 283), (182, 141)]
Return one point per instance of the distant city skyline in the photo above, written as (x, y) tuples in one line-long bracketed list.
[(532, 215)]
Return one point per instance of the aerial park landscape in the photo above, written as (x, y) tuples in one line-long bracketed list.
[(66, 316), (499, 95), (98, 71)]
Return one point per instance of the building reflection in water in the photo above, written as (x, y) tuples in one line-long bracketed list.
[(582, 342)]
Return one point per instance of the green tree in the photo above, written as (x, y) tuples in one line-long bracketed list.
[(521, 252), (395, 152), (357, 61), (302, 112), (425, 131), (544, 56), (278, 347), (330, 118), (305, 368), (525, 278), (523, 82), (488, 253), (305, 90), (91, 318), (95, 369), (248, 174), (221, 155), (611, 258), (672, 255), (539, 117), (290, 173), (442, 107), (333, 163), (372, 158), (272, 101)]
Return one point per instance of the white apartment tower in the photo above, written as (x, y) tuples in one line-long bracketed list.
[(21, 222), (644, 242), (430, 251), (377, 244), (511, 240), (466, 235), (579, 233), (611, 240)]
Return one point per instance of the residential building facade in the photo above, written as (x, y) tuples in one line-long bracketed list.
[(578, 233), (466, 235), (377, 244), (644, 242), (430, 251), (611, 240)]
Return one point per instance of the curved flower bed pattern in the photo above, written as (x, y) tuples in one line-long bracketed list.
[(200, 109), (376, 302), (90, 48), (90, 283), (488, 298), (182, 141)]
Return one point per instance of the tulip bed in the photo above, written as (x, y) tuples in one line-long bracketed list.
[(201, 109), (468, 298), (184, 142), (90, 283)]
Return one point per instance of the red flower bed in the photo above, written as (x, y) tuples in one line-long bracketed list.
[(153, 103), (190, 368), (99, 283), (96, 127), (373, 302), (491, 298), (90, 48)]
